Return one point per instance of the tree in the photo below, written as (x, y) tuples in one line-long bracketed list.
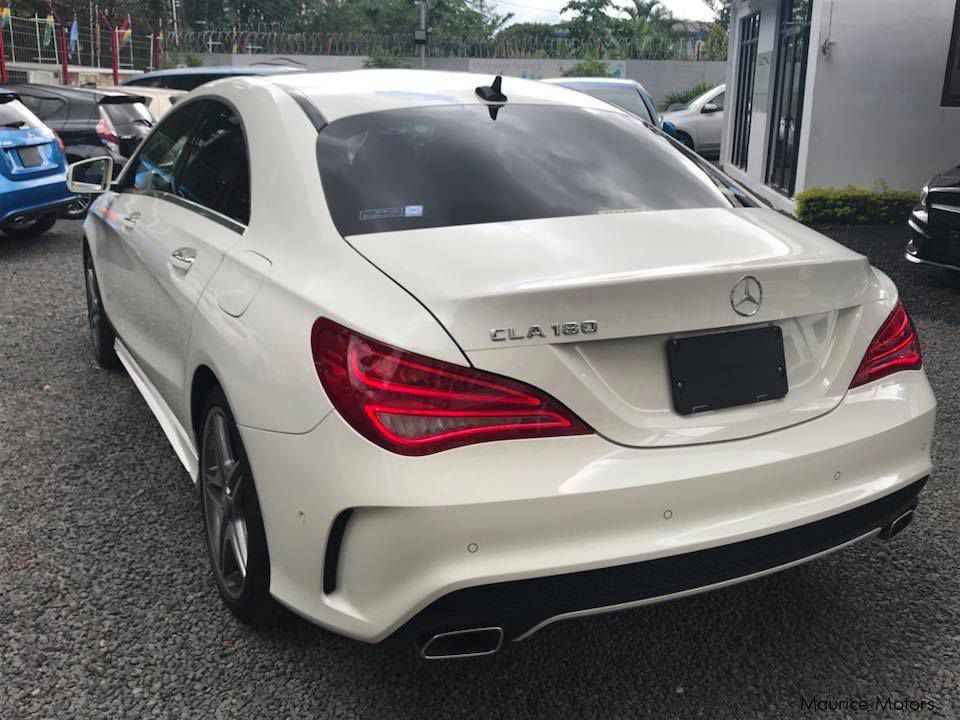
[(649, 30), (716, 45), (592, 26), (721, 10)]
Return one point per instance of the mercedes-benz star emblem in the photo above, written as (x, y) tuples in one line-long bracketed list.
[(746, 296)]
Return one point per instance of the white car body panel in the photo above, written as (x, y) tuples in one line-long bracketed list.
[(536, 507), (532, 507), (703, 128)]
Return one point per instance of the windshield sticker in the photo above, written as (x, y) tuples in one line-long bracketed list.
[(381, 213), (413, 211)]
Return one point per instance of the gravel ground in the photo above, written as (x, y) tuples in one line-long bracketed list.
[(107, 608)]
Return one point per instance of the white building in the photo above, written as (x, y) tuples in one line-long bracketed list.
[(830, 93)]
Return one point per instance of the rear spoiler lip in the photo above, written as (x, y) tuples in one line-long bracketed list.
[(8, 96), (121, 99)]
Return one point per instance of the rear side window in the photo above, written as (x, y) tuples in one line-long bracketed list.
[(42, 107), (456, 165), (214, 170), (189, 82), (14, 115), (128, 113)]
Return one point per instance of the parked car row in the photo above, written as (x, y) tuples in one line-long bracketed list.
[(33, 190), (91, 122), (44, 128)]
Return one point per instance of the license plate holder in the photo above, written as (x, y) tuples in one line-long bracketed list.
[(727, 369), (30, 156)]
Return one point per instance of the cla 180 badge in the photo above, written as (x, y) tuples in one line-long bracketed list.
[(585, 327)]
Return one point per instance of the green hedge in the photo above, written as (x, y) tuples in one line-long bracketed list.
[(855, 206)]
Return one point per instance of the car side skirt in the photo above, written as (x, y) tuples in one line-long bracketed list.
[(176, 434)]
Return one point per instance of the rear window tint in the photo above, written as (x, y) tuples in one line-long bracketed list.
[(128, 113), (457, 165), (626, 98), (14, 115)]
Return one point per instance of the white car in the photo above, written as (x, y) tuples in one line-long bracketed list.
[(158, 100), (700, 122), (451, 360)]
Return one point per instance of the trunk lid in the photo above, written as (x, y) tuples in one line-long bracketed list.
[(641, 279), (29, 153)]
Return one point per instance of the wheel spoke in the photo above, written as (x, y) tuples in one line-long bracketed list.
[(225, 539), (226, 526), (239, 543)]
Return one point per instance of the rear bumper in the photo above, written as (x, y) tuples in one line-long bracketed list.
[(516, 533), (32, 197), (522, 607)]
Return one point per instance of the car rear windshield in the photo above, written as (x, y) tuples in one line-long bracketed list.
[(626, 98), (128, 113), (464, 164), (14, 115)]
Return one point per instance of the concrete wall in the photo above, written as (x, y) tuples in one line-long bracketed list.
[(876, 113), (872, 109), (660, 77)]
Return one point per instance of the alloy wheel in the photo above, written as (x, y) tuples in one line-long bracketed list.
[(223, 503), (94, 306), (77, 209)]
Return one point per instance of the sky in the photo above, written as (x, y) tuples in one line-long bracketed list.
[(549, 10)]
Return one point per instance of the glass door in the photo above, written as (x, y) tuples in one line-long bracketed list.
[(793, 43)]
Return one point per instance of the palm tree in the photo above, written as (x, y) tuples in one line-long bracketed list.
[(649, 27)]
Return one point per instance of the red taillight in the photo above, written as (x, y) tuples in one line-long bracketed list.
[(414, 405), (895, 347), (59, 141), (107, 132)]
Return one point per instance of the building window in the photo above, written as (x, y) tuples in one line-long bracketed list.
[(951, 85), (746, 72)]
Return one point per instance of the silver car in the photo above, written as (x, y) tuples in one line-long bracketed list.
[(699, 122)]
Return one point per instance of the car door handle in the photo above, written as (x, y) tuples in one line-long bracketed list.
[(183, 258), (130, 221)]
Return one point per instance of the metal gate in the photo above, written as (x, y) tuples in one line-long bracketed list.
[(746, 70), (793, 43)]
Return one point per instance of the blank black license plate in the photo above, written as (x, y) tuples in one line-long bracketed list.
[(30, 156), (710, 372)]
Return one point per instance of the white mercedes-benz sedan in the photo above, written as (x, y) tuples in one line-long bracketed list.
[(451, 359)]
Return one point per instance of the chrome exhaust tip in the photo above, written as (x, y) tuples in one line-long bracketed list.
[(897, 526), (473, 642)]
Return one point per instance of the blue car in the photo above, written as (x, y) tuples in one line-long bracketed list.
[(33, 181)]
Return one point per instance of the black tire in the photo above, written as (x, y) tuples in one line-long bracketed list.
[(685, 139), (102, 336), (228, 497), (31, 227)]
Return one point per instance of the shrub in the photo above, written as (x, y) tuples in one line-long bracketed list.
[(173, 60), (591, 67), (381, 58), (680, 98), (855, 206)]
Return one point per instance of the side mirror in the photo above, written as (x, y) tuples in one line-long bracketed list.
[(90, 177), (669, 128), (709, 109)]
